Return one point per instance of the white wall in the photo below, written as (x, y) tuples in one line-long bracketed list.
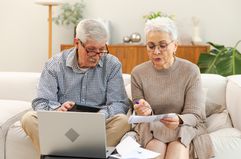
[(24, 25)]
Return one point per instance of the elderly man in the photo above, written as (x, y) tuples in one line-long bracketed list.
[(85, 74)]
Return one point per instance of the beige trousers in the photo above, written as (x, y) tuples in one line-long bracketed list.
[(116, 127)]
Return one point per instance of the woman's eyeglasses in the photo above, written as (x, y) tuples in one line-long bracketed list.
[(93, 51), (161, 46)]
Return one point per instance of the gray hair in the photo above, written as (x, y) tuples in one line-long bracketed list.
[(91, 29), (163, 24)]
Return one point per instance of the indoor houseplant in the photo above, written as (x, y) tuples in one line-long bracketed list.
[(153, 15), (221, 60), (70, 14)]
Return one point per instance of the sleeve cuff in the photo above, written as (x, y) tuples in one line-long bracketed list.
[(105, 112), (53, 105)]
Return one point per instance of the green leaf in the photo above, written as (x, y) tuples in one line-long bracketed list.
[(237, 62), (205, 63), (217, 46), (221, 60), (70, 14), (153, 15)]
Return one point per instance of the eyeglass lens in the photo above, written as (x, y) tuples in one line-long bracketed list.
[(94, 51), (161, 46)]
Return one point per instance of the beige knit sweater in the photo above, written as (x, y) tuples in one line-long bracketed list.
[(178, 90)]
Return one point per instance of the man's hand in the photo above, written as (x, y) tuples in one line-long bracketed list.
[(171, 123), (66, 106), (142, 107)]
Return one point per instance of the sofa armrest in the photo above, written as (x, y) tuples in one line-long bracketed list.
[(233, 99)]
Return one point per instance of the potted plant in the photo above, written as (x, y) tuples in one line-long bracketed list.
[(153, 15), (70, 14), (221, 60)]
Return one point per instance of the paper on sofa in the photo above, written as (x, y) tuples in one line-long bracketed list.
[(129, 148)]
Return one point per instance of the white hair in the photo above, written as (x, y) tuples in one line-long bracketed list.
[(91, 29), (163, 24)]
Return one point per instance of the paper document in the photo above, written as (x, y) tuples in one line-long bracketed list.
[(130, 149), (147, 119)]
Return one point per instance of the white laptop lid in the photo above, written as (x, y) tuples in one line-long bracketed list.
[(74, 134)]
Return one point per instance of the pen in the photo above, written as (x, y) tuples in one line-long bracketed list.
[(136, 101)]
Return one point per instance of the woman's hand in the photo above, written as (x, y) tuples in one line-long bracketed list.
[(142, 107), (171, 123), (66, 106)]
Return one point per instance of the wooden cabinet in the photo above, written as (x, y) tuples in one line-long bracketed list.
[(65, 46), (131, 55)]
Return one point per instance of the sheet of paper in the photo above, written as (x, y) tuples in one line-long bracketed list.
[(127, 145), (147, 119), (130, 149)]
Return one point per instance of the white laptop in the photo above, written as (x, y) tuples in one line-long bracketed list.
[(73, 134)]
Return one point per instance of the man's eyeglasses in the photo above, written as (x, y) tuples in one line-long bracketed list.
[(161, 46), (93, 51)]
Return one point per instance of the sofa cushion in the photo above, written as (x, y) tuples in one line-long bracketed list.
[(18, 85), (126, 78), (234, 99), (218, 121), (210, 107), (128, 91), (213, 108), (216, 86), (227, 143)]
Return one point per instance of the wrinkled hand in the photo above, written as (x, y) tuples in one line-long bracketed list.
[(171, 123), (142, 108), (66, 106)]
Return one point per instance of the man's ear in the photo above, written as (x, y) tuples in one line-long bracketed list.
[(76, 42)]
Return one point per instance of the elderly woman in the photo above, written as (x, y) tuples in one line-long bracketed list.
[(168, 84)]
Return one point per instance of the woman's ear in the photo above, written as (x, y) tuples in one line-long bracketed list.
[(175, 44)]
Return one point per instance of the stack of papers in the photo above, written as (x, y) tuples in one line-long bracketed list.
[(146, 119), (130, 149)]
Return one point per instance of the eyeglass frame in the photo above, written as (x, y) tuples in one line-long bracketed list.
[(94, 52), (160, 48)]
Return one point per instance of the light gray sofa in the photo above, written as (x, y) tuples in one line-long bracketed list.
[(17, 89)]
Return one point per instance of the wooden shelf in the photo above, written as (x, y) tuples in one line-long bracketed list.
[(131, 55)]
